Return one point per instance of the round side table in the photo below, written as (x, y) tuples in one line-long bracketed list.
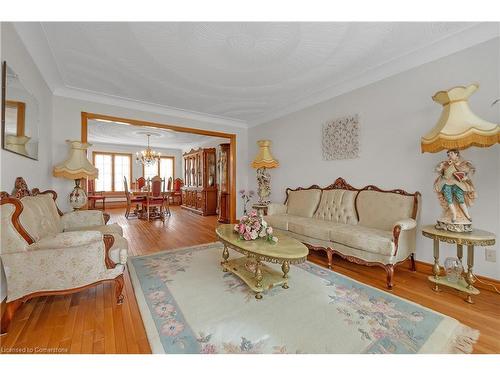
[(475, 238)]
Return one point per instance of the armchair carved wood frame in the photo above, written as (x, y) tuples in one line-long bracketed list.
[(14, 200)]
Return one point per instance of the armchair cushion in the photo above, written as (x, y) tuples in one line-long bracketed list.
[(104, 229), (84, 218), (56, 269), (40, 217), (66, 240)]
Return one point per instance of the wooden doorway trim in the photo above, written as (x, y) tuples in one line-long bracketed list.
[(232, 140)]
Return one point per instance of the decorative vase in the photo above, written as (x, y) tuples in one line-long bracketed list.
[(453, 268)]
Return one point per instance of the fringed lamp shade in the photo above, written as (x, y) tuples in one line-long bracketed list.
[(76, 167), (458, 127), (264, 159)]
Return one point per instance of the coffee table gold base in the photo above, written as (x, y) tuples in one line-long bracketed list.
[(257, 281)]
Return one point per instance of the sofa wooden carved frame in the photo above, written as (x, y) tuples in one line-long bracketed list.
[(340, 183), (19, 192)]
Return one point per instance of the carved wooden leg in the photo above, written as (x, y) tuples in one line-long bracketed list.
[(329, 254), (413, 266), (119, 282), (389, 268), (10, 310)]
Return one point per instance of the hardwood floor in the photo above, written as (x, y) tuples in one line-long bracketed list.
[(91, 322)]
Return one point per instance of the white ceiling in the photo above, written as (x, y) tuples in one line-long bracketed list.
[(126, 134), (247, 72)]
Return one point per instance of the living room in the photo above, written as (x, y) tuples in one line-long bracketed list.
[(355, 165)]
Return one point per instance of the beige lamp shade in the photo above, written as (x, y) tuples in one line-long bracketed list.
[(264, 159), (76, 166), (458, 127)]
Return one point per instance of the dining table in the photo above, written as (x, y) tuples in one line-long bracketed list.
[(145, 194)]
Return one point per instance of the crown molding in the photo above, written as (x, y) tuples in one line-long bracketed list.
[(479, 33), (79, 94)]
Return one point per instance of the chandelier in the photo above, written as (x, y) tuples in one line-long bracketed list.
[(147, 157)]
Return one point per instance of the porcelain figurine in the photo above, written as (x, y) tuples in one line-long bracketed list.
[(264, 182), (456, 192)]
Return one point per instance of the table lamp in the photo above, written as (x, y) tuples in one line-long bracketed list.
[(263, 161), (76, 167), (458, 128)]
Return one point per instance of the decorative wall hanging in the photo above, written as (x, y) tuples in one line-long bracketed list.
[(341, 138)]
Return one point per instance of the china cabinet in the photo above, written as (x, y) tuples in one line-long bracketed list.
[(223, 188), (199, 194)]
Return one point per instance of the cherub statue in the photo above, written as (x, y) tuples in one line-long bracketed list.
[(455, 192)]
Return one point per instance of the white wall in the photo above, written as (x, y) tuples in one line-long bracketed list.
[(67, 125), (36, 172), (394, 113)]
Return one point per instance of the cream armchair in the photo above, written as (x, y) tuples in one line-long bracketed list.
[(45, 252)]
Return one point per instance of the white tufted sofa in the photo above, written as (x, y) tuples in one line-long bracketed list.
[(368, 226), (45, 252)]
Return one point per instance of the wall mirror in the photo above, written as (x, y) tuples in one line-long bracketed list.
[(20, 115)]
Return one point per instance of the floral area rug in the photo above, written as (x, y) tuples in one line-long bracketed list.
[(189, 305)]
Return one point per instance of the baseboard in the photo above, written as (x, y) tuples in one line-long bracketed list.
[(426, 268)]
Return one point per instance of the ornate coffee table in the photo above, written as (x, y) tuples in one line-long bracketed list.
[(250, 269)]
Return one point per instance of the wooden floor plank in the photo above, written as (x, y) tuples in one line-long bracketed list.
[(91, 321)]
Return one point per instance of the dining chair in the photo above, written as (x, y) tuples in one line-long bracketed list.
[(94, 196), (140, 183), (131, 200), (177, 193), (155, 199)]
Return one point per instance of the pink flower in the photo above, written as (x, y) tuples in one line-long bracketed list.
[(208, 349), (172, 327), (236, 228), (156, 295), (164, 310), (242, 228), (253, 213), (256, 225), (269, 230), (248, 228), (247, 236)]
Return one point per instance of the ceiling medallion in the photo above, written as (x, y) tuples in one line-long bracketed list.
[(147, 157)]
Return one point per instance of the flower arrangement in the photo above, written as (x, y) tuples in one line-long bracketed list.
[(246, 196), (253, 226)]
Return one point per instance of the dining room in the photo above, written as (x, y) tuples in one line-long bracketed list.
[(151, 172)]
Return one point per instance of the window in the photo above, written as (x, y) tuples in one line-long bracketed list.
[(112, 168), (164, 169), (167, 169)]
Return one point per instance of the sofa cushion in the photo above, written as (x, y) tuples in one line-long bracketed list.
[(337, 205), (381, 210), (314, 228), (363, 238), (303, 202), (40, 217), (277, 221)]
